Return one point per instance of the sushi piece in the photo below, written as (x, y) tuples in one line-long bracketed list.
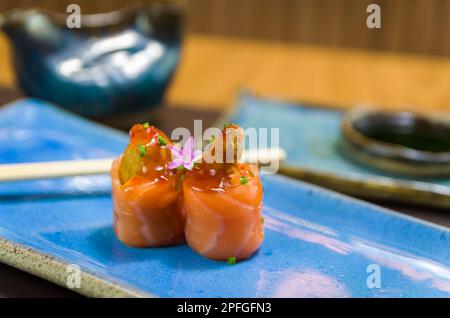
[(222, 202), (146, 198)]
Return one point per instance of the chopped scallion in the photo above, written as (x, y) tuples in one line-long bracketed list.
[(243, 180), (162, 141), (142, 150)]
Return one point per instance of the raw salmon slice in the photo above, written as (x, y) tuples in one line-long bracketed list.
[(223, 223), (146, 213)]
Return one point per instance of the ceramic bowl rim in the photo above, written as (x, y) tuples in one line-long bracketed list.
[(112, 18), (388, 156)]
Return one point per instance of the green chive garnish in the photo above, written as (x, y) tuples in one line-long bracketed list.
[(231, 260), (162, 141), (262, 220), (243, 180), (142, 150), (146, 125), (180, 168), (226, 125)]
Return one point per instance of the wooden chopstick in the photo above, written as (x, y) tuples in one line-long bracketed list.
[(58, 169), (53, 169)]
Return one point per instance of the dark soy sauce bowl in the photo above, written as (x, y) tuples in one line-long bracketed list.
[(404, 143)]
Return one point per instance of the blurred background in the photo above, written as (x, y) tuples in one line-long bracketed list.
[(417, 26), (315, 51)]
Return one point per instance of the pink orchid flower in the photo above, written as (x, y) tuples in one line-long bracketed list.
[(185, 156)]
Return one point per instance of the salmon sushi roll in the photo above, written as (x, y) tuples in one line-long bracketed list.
[(222, 202), (146, 195)]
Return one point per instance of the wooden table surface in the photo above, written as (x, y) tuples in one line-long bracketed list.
[(319, 75), (213, 69)]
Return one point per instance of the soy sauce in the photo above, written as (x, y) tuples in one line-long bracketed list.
[(415, 139)]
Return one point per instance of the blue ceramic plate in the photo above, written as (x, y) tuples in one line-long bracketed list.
[(311, 137), (317, 243)]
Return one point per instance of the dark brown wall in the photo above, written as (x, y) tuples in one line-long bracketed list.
[(421, 26)]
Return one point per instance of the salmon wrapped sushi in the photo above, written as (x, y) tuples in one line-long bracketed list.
[(146, 196), (222, 203)]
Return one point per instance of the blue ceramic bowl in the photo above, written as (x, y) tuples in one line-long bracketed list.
[(117, 62)]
